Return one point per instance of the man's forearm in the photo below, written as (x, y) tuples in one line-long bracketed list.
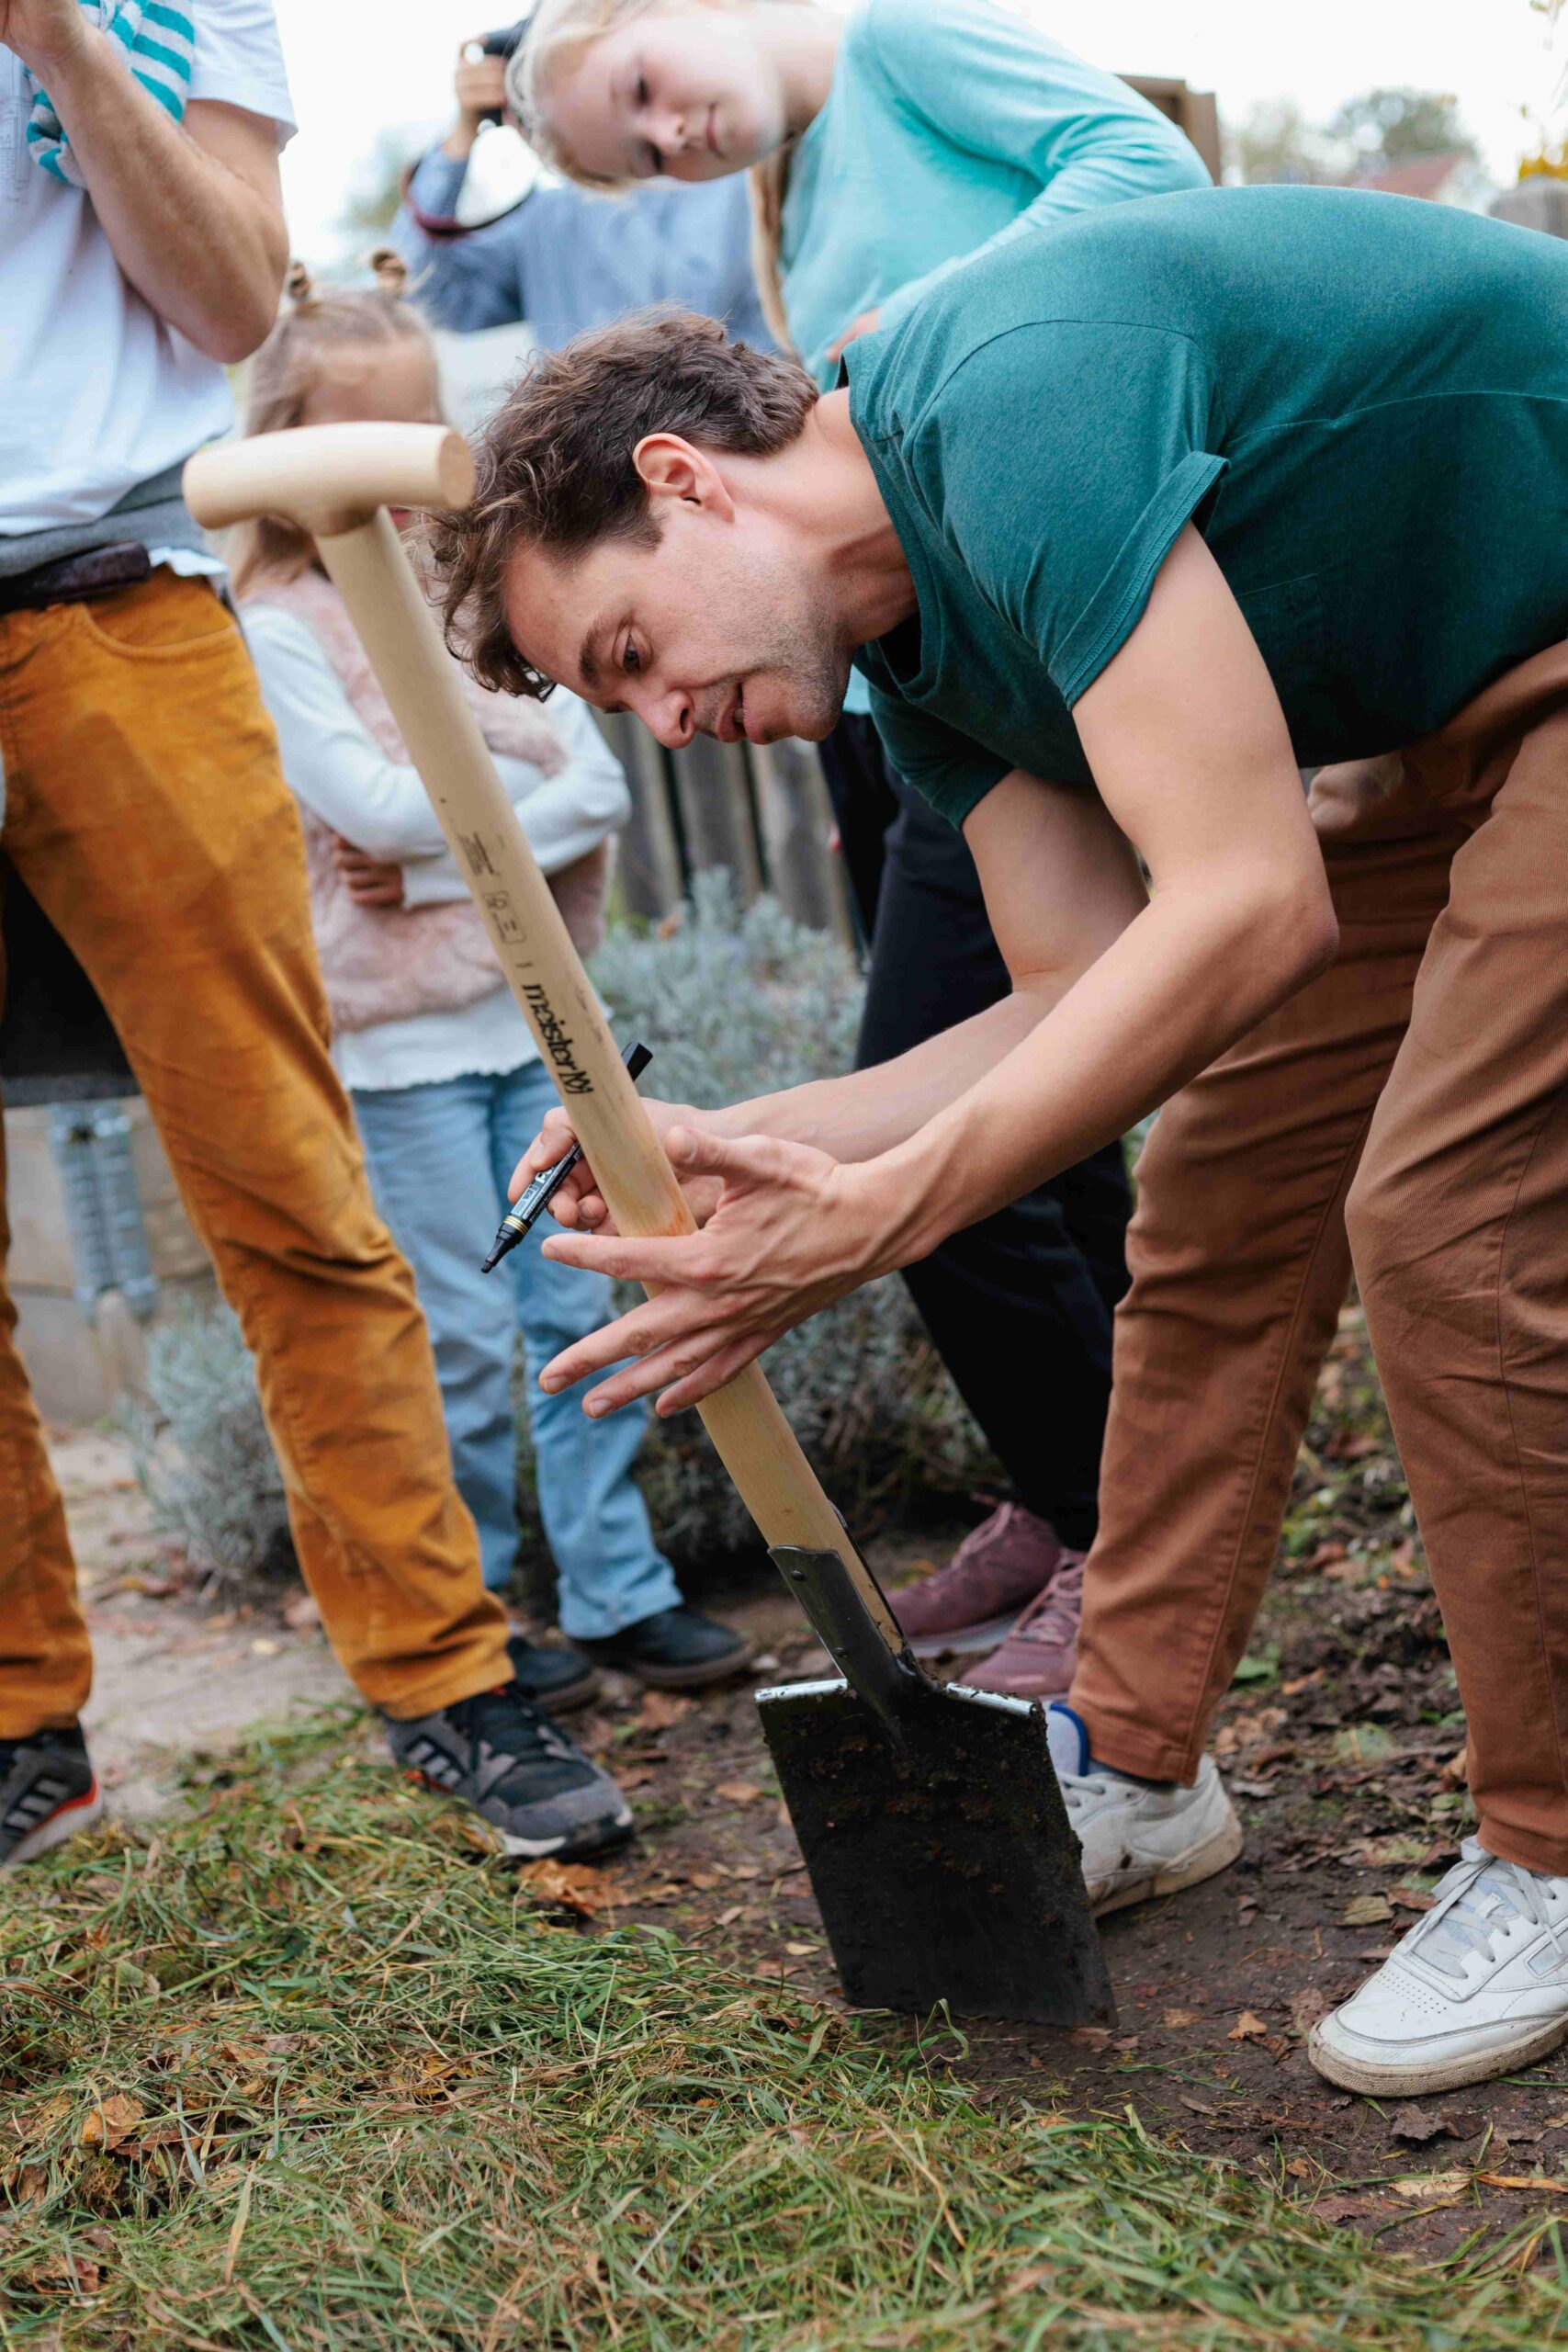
[(204, 249), (871, 1111)]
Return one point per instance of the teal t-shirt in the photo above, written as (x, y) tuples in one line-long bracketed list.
[(1360, 399), (952, 127)]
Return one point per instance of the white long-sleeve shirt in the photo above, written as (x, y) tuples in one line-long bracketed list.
[(338, 772)]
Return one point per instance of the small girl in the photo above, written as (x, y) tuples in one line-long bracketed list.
[(886, 148), (446, 1083)]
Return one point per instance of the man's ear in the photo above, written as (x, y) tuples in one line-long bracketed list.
[(673, 469)]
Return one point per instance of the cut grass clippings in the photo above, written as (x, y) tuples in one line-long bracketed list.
[(305, 2070)]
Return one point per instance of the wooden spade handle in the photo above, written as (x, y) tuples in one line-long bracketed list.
[(754, 1440)]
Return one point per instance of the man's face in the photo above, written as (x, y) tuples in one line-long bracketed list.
[(715, 631)]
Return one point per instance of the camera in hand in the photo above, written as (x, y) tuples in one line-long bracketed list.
[(503, 44)]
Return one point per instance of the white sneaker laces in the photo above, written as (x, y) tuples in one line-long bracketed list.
[(1475, 1901)]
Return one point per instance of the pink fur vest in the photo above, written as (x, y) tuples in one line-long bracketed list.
[(392, 962)]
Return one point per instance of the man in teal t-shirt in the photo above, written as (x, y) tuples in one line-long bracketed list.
[(1126, 523), (1364, 405)]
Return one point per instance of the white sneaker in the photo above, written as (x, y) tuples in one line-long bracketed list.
[(1479, 1986), (1139, 1841)]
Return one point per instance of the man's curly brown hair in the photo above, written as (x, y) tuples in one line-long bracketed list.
[(554, 462)]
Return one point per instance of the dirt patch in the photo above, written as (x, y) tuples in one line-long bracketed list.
[(171, 1673)]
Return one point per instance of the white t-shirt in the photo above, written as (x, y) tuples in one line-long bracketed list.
[(96, 394)]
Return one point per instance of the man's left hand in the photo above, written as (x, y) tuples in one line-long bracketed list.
[(793, 1231), (42, 33)]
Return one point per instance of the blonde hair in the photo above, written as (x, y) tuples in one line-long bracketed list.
[(560, 32), (286, 371)]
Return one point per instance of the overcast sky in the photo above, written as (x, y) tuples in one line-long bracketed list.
[(355, 70)]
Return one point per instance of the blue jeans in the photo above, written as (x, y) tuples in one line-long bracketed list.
[(439, 1158)]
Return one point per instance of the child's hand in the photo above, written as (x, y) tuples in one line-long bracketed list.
[(866, 323), (366, 880)]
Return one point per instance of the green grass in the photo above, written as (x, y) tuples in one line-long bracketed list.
[(304, 2071)]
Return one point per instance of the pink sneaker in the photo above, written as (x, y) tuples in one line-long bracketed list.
[(1037, 1660), (1007, 1562)]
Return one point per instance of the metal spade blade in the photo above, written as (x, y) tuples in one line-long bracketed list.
[(933, 1827)]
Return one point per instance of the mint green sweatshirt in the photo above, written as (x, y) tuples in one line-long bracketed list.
[(952, 127)]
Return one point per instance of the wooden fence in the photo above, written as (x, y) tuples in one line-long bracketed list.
[(761, 810)]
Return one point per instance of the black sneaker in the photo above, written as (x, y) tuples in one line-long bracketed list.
[(48, 1791), (675, 1649), (498, 1753), (556, 1679)]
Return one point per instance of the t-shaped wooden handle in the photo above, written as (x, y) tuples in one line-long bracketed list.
[(336, 481)]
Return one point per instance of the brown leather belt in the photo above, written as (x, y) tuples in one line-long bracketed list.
[(73, 579)]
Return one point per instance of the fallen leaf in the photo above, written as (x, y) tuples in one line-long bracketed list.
[(1345, 2208), (1247, 2028), (1412, 2121), (1455, 1773), (728, 1919), (1363, 1744), (1252, 1788), (738, 1791), (1521, 2180), (1300, 2169), (115, 2121), (1181, 2016), (1090, 2037), (301, 1613), (1418, 2186), (265, 1648), (1409, 1898), (1198, 2106), (571, 1884), (800, 1951), (1024, 2281), (661, 1710), (1384, 1853), (1307, 2006), (1366, 1911), (635, 1776)]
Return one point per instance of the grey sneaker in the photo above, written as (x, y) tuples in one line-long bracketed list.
[(499, 1754), (975, 1600), (48, 1791)]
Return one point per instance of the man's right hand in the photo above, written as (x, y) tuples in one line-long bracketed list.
[(580, 1202), (479, 86)]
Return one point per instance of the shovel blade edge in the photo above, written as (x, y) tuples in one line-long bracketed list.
[(945, 1871)]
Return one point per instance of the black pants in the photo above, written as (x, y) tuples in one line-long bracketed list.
[(1019, 1305)]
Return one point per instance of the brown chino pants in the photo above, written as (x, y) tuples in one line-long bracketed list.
[(1407, 1113), (146, 812)]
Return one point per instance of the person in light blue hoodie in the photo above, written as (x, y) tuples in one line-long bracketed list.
[(888, 149)]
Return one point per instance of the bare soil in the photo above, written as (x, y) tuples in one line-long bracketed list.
[(1341, 1741)]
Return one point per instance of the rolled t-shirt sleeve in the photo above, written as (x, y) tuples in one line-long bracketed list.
[(239, 61), (1069, 458)]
